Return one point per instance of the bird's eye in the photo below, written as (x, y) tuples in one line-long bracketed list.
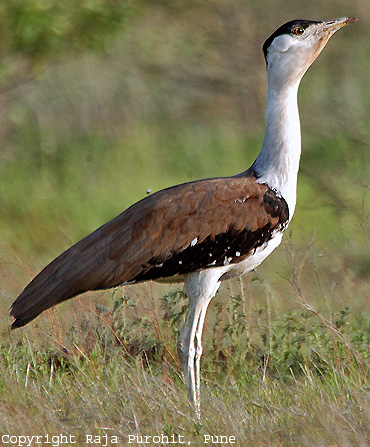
[(298, 31)]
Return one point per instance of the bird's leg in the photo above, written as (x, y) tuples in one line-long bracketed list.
[(186, 352), (200, 288), (199, 348)]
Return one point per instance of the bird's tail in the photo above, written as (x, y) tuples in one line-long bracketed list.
[(63, 278)]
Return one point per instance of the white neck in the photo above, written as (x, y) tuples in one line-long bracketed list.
[(278, 162)]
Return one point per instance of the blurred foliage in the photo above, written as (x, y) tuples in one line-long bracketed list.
[(36, 33), (103, 100), (50, 28)]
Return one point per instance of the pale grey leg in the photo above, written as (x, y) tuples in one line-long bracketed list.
[(186, 351), (199, 348), (200, 288)]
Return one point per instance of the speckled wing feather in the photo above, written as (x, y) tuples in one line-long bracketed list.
[(175, 231)]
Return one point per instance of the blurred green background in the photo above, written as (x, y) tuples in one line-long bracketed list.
[(102, 100)]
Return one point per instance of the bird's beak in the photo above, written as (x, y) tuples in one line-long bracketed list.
[(331, 26)]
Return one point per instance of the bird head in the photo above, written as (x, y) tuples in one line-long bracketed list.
[(293, 47)]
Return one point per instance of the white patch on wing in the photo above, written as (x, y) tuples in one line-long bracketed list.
[(193, 242)]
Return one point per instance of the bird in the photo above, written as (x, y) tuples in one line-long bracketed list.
[(205, 231)]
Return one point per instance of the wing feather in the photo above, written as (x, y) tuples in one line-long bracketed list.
[(154, 238)]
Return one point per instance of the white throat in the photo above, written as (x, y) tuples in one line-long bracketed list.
[(278, 162)]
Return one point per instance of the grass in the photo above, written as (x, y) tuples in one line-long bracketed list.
[(281, 367)]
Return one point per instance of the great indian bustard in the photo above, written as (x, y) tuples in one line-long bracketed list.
[(205, 231)]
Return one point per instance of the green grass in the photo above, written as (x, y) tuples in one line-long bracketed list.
[(281, 367)]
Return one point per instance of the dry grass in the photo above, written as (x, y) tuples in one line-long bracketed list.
[(282, 366)]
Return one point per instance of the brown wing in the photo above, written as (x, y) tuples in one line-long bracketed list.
[(176, 231)]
